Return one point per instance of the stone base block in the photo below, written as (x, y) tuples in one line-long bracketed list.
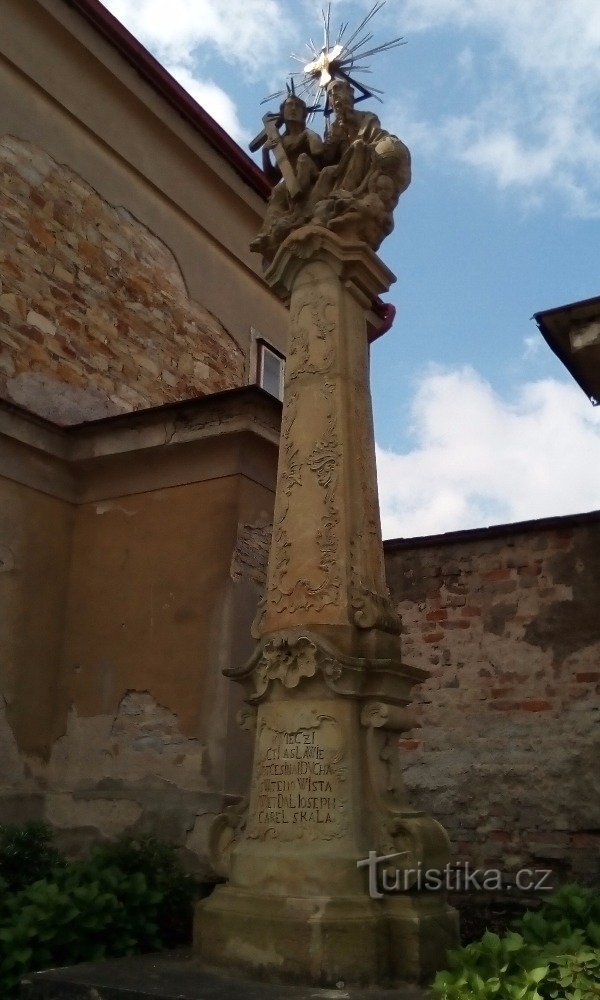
[(421, 930), (324, 941), (176, 976)]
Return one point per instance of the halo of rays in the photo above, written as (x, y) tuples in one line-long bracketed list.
[(336, 60)]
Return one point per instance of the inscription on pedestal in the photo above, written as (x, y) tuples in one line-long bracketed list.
[(299, 783)]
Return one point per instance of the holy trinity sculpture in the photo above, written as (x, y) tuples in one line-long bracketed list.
[(349, 182)]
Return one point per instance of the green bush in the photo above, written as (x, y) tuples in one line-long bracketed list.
[(571, 908), (127, 897), (553, 954), (158, 862), (573, 976), (78, 917), (27, 854)]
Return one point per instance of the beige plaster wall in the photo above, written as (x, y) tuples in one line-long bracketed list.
[(144, 708), (125, 595), (35, 539), (144, 591)]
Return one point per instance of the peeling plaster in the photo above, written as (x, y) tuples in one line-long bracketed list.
[(7, 559), (110, 817), (142, 742), (12, 764), (251, 553), (108, 508)]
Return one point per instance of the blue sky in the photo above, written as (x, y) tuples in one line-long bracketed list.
[(476, 420)]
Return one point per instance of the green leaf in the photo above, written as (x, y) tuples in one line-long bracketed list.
[(536, 975)]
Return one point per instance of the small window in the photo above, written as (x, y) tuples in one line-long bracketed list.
[(270, 366)]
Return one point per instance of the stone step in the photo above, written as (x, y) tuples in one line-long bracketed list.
[(176, 976)]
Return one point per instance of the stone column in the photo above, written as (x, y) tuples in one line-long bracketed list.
[(326, 566), (326, 688)]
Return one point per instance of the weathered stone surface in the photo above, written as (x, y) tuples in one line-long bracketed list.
[(349, 182), (326, 688), (176, 977), (326, 564), (95, 318), (507, 749)]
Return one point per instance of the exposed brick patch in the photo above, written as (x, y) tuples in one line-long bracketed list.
[(439, 615), (529, 570), (95, 318), (409, 744), (251, 553), (537, 705), (495, 575)]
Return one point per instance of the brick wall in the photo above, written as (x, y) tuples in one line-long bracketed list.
[(95, 318), (507, 755), (506, 621)]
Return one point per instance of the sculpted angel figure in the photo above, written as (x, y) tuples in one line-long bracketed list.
[(299, 157)]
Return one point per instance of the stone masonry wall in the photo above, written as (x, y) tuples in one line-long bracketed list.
[(507, 754), (95, 318), (505, 620)]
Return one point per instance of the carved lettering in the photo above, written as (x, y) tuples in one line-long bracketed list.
[(299, 777)]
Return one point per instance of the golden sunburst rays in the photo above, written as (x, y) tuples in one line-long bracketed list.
[(339, 58)]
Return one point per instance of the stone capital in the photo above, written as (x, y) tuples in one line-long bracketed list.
[(355, 264), (319, 659)]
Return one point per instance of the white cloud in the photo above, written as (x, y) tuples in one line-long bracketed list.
[(531, 345), (214, 100), (249, 32), (482, 460), (531, 31), (535, 120)]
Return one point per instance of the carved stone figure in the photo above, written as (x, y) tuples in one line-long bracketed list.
[(367, 170), (299, 155), (358, 147), (350, 183)]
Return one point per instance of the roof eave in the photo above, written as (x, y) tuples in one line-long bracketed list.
[(161, 80), (556, 335)]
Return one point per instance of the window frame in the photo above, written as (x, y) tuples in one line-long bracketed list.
[(262, 346)]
